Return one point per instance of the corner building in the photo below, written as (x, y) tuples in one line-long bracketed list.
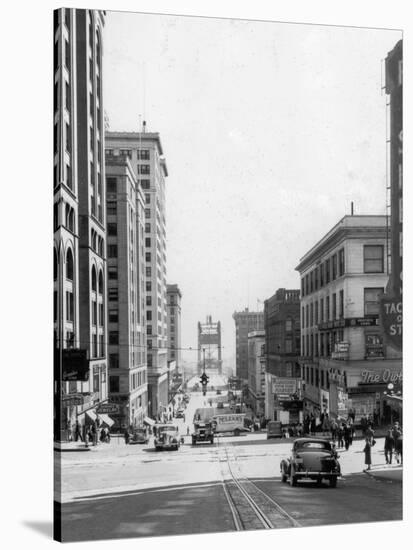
[(126, 292), (79, 210), (344, 361), (145, 153)]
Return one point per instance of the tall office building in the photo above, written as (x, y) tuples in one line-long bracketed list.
[(174, 324), (79, 218), (144, 149), (245, 322), (126, 293)]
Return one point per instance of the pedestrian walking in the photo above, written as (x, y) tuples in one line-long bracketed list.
[(126, 436), (333, 430), (187, 430), (78, 433), (347, 436), (340, 436), (313, 425), (398, 442), (370, 433), (389, 447), (367, 453)]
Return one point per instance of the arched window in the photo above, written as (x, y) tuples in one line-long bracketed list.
[(94, 238), (69, 265), (100, 282), (54, 264), (94, 278), (70, 218)]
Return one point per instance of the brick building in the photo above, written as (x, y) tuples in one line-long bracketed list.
[(282, 347)]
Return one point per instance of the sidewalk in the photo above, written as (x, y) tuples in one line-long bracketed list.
[(389, 472), (74, 446)]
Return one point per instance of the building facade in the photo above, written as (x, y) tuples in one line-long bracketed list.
[(174, 324), (282, 346), (144, 150), (256, 371), (245, 322), (126, 291), (79, 215), (342, 350)]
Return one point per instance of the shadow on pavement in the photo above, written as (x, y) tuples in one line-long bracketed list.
[(44, 528), (151, 490)]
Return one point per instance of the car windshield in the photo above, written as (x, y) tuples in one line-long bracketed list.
[(167, 429), (140, 431), (313, 445)]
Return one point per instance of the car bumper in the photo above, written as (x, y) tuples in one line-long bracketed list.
[(310, 474)]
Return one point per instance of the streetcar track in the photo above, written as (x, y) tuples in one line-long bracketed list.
[(254, 503)]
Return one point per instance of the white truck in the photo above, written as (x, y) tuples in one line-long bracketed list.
[(224, 423)]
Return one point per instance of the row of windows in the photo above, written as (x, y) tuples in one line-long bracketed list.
[(327, 310), (142, 154), (69, 217), (333, 267), (323, 274)]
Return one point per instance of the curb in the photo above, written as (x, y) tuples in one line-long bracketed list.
[(383, 475)]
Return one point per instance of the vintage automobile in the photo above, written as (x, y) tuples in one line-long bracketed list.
[(311, 458), (203, 432), (180, 413), (166, 437), (139, 435)]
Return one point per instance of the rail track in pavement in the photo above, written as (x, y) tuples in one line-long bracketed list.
[(250, 506)]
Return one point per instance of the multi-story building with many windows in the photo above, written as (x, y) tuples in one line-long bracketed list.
[(79, 213), (256, 371), (344, 361), (282, 347), (174, 324), (144, 149), (126, 292), (245, 322)]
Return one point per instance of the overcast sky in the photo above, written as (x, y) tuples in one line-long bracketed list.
[(269, 131)]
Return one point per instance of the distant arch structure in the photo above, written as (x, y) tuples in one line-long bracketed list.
[(209, 341)]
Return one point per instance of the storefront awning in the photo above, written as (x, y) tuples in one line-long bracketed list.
[(149, 421), (106, 420), (91, 415)]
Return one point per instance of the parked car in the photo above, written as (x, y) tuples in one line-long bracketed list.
[(311, 458), (274, 429), (139, 435), (167, 437)]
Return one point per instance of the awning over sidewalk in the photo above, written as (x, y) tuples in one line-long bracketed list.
[(91, 415), (149, 421), (106, 420)]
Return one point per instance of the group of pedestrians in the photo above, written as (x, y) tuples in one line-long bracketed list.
[(92, 433), (393, 445), (342, 433)]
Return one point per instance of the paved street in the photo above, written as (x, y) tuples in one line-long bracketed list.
[(133, 491)]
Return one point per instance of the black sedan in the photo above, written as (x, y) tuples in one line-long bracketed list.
[(311, 458)]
